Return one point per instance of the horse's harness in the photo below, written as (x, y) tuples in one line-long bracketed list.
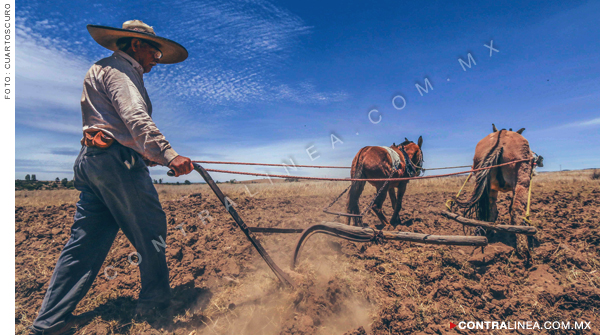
[(411, 169)]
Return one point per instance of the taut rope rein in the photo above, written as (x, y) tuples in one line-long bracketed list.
[(417, 168), (314, 166), (358, 179)]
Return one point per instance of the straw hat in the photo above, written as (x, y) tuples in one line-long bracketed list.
[(107, 37)]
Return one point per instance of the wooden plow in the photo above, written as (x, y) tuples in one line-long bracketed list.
[(526, 230), (282, 276), (367, 234), (351, 233)]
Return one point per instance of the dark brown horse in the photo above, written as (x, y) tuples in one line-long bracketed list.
[(496, 148), (397, 161)]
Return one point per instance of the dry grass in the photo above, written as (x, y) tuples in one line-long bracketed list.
[(564, 176), (44, 198), (302, 188)]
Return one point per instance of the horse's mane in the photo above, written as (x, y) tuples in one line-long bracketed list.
[(406, 142)]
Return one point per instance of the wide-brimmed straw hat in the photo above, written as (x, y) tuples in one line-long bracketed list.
[(107, 37)]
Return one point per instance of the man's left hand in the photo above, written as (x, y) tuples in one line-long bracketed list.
[(181, 165)]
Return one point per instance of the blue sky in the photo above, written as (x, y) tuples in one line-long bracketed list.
[(267, 80)]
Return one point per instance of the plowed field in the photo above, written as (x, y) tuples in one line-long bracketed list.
[(222, 286)]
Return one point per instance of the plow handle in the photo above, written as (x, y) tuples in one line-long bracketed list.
[(282, 276)]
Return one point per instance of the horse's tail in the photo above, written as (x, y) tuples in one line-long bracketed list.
[(480, 201), (356, 190)]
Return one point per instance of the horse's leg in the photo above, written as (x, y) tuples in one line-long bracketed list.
[(493, 206), (519, 203), (378, 203), (392, 193), (355, 191), (401, 190)]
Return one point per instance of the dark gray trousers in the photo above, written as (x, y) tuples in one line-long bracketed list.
[(116, 193)]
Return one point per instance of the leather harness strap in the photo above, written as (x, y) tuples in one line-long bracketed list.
[(409, 166)]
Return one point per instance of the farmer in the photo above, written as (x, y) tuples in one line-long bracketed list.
[(119, 141)]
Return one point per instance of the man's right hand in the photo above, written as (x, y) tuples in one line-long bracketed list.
[(181, 165)]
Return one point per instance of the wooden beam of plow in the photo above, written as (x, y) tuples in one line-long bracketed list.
[(265, 230), (367, 234), (526, 230)]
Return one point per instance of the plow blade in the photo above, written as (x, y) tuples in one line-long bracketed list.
[(366, 234), (526, 230)]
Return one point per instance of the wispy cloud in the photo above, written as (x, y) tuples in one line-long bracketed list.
[(582, 123), (234, 49), (49, 80), (237, 50), (592, 122)]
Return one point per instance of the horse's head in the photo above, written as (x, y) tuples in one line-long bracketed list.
[(539, 161), (414, 152)]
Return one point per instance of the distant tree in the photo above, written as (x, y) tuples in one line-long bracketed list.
[(154, 181), (232, 181), (160, 181), (57, 180), (33, 178), (28, 177), (177, 183), (64, 182), (187, 182)]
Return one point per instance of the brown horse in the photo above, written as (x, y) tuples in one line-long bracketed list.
[(496, 148), (397, 161)]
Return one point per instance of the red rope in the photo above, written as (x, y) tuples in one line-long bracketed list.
[(310, 166), (280, 165), (357, 179), (447, 167)]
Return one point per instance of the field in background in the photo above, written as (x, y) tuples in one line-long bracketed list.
[(222, 286), (308, 188)]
